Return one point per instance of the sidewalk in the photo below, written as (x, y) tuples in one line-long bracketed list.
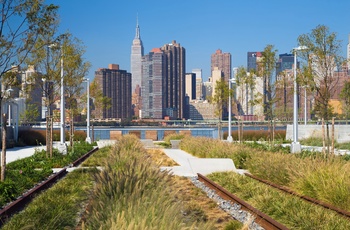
[(190, 165), (16, 153)]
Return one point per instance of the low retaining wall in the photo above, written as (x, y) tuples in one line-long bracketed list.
[(341, 132)]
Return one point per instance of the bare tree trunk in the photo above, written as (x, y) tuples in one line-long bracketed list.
[(239, 129), (273, 131), (323, 138), (219, 129), (92, 133), (51, 135), (242, 131), (3, 153), (328, 138), (333, 135), (48, 123)]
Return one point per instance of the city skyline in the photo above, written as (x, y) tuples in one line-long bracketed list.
[(107, 28)]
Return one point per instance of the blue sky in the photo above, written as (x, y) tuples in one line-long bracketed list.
[(107, 27)]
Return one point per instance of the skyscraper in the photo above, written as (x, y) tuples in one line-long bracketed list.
[(252, 60), (136, 55), (199, 83), (175, 62), (116, 85), (136, 68), (223, 62), (153, 97), (191, 86)]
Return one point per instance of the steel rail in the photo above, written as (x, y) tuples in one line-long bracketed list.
[(261, 218), (19, 204), (307, 198)]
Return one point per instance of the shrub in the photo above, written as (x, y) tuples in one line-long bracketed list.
[(257, 135), (32, 137)]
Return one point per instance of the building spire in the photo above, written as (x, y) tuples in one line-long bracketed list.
[(137, 35)]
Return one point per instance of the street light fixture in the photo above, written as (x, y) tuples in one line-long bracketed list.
[(88, 139), (295, 146), (62, 147)]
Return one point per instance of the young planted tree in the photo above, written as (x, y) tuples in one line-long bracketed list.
[(220, 99), (323, 57), (284, 96), (100, 102), (266, 69), (21, 24), (245, 82), (75, 68)]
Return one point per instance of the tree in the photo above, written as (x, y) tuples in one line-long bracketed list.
[(101, 102), (21, 23), (245, 82), (76, 68), (322, 58), (284, 96), (220, 99), (345, 95), (266, 69)]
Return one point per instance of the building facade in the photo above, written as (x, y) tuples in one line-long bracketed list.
[(116, 85), (175, 67), (199, 84), (191, 86), (223, 62), (136, 70), (153, 75)]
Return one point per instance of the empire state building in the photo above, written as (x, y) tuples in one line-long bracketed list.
[(136, 71)]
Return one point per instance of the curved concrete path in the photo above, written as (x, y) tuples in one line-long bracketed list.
[(189, 165)]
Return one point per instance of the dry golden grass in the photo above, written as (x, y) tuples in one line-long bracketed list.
[(194, 198), (159, 158)]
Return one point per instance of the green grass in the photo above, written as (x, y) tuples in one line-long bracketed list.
[(59, 207), (287, 209)]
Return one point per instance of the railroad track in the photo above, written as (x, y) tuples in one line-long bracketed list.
[(343, 213), (28, 196), (261, 218)]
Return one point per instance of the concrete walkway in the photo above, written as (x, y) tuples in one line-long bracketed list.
[(189, 165), (16, 153)]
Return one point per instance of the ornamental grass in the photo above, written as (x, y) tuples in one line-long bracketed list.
[(132, 193), (325, 178), (290, 210)]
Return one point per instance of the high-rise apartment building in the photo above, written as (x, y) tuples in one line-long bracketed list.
[(199, 83), (116, 85), (216, 75), (153, 91), (136, 68), (175, 62), (252, 60), (223, 62), (191, 86), (285, 62)]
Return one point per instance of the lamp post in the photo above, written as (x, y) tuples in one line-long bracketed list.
[(62, 145), (295, 146), (229, 137), (88, 139)]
